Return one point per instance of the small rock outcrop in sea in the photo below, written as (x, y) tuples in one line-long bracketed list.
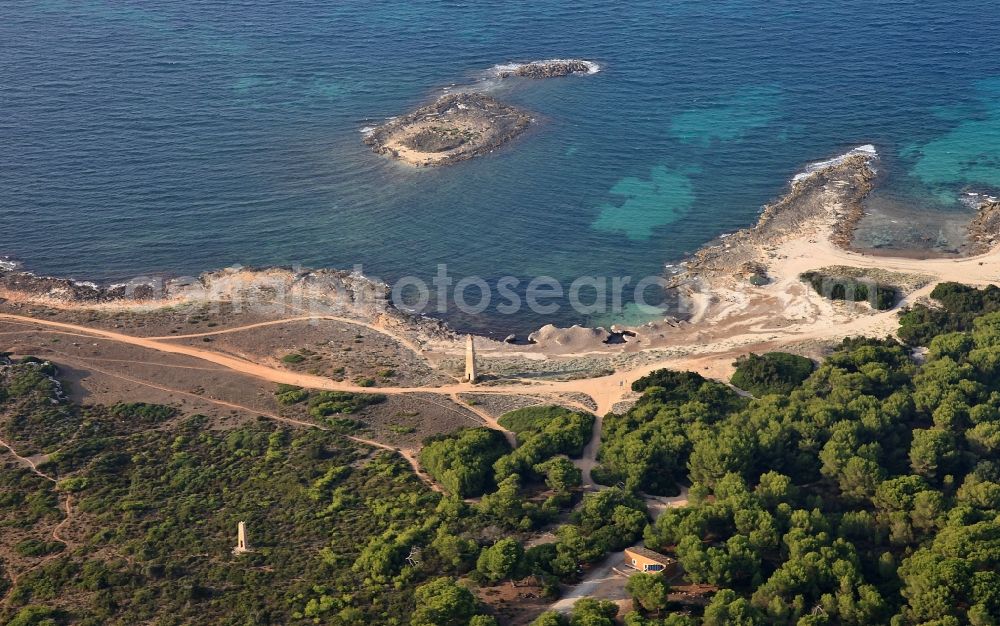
[(455, 127), (984, 229), (547, 69)]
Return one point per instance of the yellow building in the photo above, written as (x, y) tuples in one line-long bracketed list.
[(646, 560)]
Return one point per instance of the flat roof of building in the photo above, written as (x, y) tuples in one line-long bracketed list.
[(650, 554)]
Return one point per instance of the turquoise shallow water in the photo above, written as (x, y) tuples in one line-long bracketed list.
[(175, 137)]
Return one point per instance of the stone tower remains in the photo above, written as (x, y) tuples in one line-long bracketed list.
[(241, 539), (470, 361)]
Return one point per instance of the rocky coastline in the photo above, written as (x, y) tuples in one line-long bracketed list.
[(280, 291), (833, 193), (454, 128), (984, 229), (71, 292), (825, 201)]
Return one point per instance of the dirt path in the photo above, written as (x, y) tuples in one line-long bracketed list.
[(409, 454), (600, 582), (304, 318), (67, 506), (606, 390), (603, 394), (732, 332), (26, 461), (589, 459), (487, 418), (658, 504)]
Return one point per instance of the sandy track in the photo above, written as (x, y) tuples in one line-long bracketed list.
[(409, 345), (277, 375), (606, 391), (488, 419)]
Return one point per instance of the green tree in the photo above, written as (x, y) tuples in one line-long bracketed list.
[(501, 560), (649, 591), (933, 453), (774, 372), (729, 609), (591, 612), (505, 506), (561, 475), (730, 450), (452, 550), (35, 616), (463, 461), (443, 602), (550, 618)]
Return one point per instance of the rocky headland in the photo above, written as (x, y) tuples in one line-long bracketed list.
[(454, 128), (829, 196)]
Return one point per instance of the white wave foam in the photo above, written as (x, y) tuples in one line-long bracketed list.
[(8, 265), (592, 67), (867, 149), (975, 200), (507, 67)]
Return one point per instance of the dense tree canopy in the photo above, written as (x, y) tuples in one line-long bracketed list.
[(648, 447), (958, 306), (774, 372), (868, 494), (463, 462)]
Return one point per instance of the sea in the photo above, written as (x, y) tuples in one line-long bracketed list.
[(173, 137)]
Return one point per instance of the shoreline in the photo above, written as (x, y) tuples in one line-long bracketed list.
[(822, 203)]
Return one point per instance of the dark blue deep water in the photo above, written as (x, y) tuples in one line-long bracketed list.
[(175, 137)]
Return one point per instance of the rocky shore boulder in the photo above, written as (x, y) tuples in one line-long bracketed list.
[(572, 339), (984, 229)]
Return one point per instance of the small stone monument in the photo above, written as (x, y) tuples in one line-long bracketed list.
[(241, 539), (470, 361)]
